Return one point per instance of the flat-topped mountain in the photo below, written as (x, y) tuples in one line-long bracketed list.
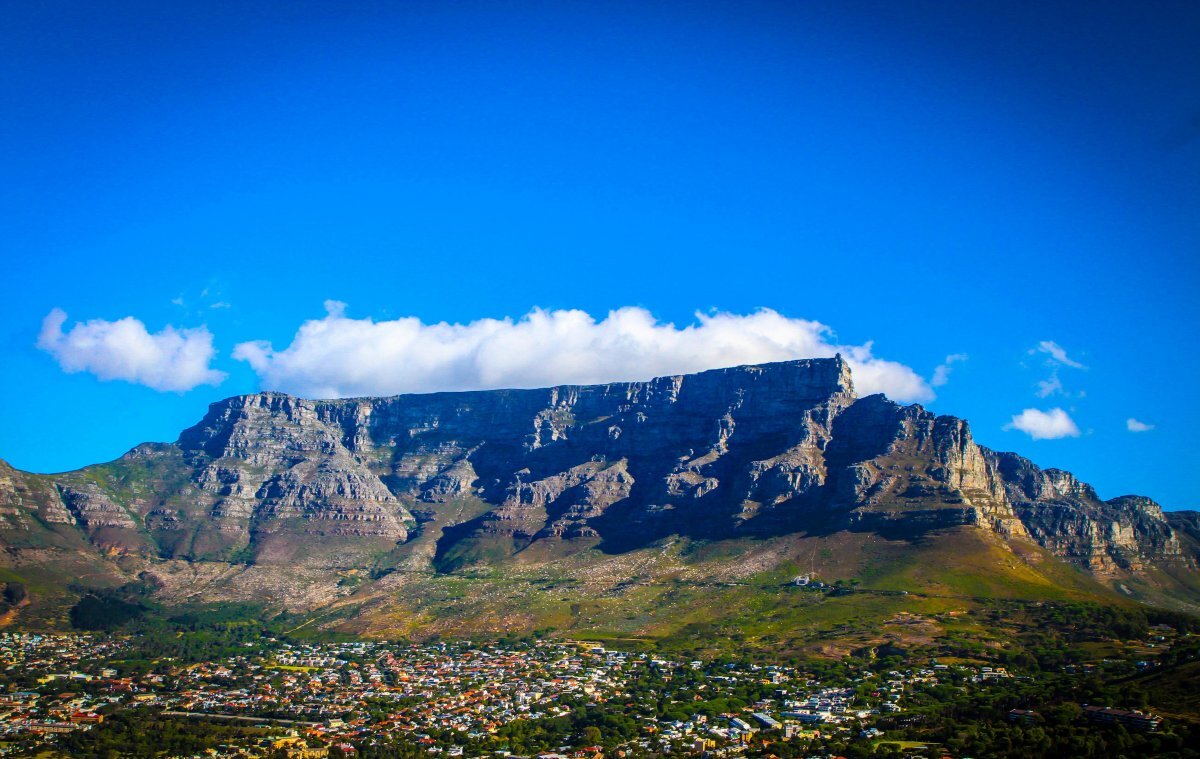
[(312, 492)]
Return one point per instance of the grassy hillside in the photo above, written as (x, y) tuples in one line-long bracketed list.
[(930, 590), (737, 593)]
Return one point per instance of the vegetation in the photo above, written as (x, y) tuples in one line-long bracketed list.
[(144, 733), (104, 611)]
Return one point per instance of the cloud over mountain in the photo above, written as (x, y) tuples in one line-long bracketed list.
[(339, 356), (1044, 425), (170, 359)]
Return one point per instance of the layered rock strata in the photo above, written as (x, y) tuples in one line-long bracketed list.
[(753, 450)]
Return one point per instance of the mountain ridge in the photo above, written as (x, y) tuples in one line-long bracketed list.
[(301, 491)]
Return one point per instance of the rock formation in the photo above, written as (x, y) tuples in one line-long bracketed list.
[(750, 451)]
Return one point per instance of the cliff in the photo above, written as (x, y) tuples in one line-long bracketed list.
[(751, 451)]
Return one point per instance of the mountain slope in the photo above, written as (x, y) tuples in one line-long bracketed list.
[(717, 477)]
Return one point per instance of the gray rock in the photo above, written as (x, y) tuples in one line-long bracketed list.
[(753, 450)]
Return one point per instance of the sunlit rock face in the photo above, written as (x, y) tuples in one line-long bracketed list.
[(755, 450), (1067, 516)]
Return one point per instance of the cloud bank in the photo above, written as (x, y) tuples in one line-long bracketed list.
[(338, 356), (169, 360), (1044, 425)]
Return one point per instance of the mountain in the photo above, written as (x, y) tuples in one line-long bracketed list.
[(369, 510)]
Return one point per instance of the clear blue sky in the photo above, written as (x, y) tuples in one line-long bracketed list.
[(939, 178)]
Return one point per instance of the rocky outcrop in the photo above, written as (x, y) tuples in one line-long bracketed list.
[(1186, 525), (1066, 516), (752, 450), (93, 508), (28, 502), (894, 458), (283, 477)]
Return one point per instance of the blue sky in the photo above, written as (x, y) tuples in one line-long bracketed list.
[(1016, 183)]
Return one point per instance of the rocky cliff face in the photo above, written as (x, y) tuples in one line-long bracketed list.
[(1186, 525), (893, 460), (755, 450), (28, 503), (283, 481), (1066, 516)]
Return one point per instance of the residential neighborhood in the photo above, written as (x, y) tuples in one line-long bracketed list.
[(459, 699)]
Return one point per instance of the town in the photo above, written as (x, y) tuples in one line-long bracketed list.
[(534, 697)]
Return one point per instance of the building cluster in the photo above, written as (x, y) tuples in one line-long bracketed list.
[(446, 697), (57, 695), (382, 688), (1132, 719)]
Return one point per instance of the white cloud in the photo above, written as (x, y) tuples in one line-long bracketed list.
[(1056, 357), (941, 374), (338, 356), (1057, 354), (1050, 386), (172, 359), (1133, 425), (1044, 425)]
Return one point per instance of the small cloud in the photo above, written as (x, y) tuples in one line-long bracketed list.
[(169, 360), (941, 374), (1056, 357), (196, 303), (1133, 425), (1044, 425), (1050, 386), (1057, 354)]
